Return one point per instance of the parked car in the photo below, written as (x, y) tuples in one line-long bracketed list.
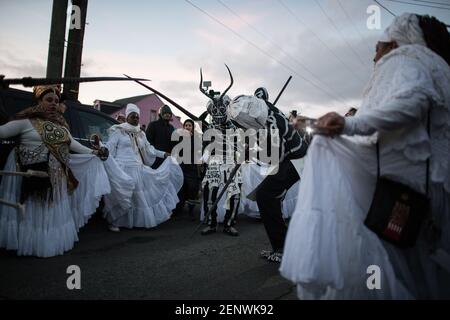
[(83, 120)]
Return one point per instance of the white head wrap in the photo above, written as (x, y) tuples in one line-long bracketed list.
[(131, 108), (249, 111), (405, 29)]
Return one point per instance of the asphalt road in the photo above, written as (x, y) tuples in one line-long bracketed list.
[(160, 263)]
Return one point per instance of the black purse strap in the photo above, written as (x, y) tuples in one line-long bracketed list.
[(428, 159)]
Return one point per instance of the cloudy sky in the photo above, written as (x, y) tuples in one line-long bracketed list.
[(324, 44)]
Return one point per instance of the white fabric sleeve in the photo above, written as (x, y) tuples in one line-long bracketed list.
[(391, 117), (13, 128), (112, 142), (154, 152), (147, 147), (77, 147), (406, 102)]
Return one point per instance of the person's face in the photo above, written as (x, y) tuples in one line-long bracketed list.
[(121, 119), (383, 48), (167, 116), (133, 119), (50, 102), (188, 126)]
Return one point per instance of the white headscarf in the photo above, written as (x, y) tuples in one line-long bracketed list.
[(131, 108), (126, 126), (405, 29)]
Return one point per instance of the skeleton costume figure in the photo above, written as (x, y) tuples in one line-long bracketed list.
[(56, 206), (253, 113), (155, 192), (220, 164)]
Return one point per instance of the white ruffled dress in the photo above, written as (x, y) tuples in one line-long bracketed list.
[(328, 249), (49, 228), (155, 193)]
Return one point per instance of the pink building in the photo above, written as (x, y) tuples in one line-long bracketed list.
[(149, 105)]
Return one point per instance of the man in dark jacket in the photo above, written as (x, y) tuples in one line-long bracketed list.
[(159, 133)]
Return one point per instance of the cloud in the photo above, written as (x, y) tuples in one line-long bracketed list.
[(15, 66), (281, 47)]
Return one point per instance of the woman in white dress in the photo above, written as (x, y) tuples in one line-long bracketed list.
[(329, 253), (58, 205), (155, 193)]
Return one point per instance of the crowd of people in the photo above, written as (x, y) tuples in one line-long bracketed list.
[(401, 132)]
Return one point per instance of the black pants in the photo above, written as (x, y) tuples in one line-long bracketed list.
[(189, 191), (209, 196), (269, 196)]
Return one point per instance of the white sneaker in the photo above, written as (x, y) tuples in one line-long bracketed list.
[(113, 228), (275, 257), (265, 253)]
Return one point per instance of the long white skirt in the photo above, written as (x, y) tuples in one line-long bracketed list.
[(153, 199), (86, 198), (49, 228), (328, 250)]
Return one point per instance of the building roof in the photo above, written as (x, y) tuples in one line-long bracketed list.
[(107, 107), (134, 99), (149, 105)]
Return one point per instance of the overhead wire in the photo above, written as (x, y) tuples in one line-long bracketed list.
[(420, 5), (354, 26), (316, 78), (260, 49), (340, 33), (350, 69)]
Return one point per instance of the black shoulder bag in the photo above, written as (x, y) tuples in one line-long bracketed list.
[(397, 212)]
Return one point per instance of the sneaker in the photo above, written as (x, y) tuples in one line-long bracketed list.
[(231, 231), (265, 253), (113, 228), (208, 230), (275, 257)]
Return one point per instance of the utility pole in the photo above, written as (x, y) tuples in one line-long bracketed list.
[(56, 44), (75, 47)]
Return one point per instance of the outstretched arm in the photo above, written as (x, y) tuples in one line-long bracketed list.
[(77, 147), (13, 128), (145, 145)]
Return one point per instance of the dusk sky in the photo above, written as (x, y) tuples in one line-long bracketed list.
[(324, 44)]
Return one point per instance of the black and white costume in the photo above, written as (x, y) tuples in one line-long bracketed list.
[(220, 164), (252, 112)]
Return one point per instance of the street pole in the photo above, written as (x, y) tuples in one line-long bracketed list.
[(75, 47), (56, 43)]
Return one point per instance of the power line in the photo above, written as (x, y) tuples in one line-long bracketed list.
[(420, 5), (281, 49), (354, 26), (257, 47), (340, 33), (318, 38), (432, 2), (393, 14), (447, 25)]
